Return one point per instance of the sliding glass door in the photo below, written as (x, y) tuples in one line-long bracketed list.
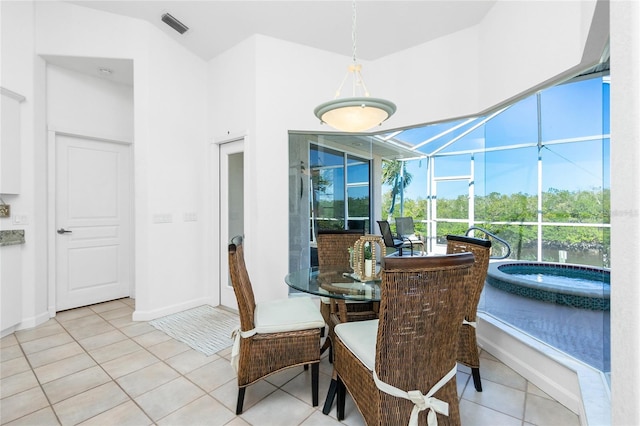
[(340, 197)]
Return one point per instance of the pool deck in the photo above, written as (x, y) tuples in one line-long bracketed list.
[(581, 333)]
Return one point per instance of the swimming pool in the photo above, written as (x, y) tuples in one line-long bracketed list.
[(578, 286)]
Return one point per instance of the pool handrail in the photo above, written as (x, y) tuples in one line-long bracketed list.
[(500, 240)]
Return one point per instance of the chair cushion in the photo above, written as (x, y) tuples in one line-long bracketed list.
[(360, 338), (297, 313)]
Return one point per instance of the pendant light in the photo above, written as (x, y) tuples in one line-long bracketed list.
[(355, 113)]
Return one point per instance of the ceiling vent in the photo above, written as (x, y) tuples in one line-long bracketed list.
[(174, 23)]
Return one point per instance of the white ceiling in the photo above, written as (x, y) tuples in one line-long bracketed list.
[(383, 27)]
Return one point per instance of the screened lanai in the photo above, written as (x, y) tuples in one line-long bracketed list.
[(534, 172)]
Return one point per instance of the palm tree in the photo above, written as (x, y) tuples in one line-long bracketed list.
[(395, 174)]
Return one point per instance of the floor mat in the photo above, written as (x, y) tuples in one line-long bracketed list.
[(205, 328)]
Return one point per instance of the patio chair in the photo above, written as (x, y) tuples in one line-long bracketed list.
[(467, 344), (388, 238), (273, 335), (403, 366), (405, 229), (333, 251)]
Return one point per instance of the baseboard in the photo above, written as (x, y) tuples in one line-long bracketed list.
[(578, 386), (7, 331), (148, 315), (27, 323)]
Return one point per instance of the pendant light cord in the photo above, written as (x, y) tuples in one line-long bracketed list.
[(354, 69), (353, 31)]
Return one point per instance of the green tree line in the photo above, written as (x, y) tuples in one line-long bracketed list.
[(558, 206), (561, 206)]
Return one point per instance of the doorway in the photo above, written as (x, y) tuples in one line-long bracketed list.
[(231, 211), (91, 221)]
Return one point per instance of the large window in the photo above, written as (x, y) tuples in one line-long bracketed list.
[(340, 190)]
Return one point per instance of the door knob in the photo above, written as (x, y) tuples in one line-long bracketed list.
[(63, 231)]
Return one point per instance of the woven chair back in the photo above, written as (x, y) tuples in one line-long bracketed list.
[(481, 249), (421, 309), (333, 247), (241, 284)]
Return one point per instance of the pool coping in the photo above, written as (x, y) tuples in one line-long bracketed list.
[(576, 297)]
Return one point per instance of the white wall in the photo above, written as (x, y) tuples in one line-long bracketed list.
[(89, 106), (430, 82), (625, 211), (19, 72), (174, 178), (526, 44), (231, 91)]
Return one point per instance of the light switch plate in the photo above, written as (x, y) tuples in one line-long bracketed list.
[(162, 218), (20, 219)]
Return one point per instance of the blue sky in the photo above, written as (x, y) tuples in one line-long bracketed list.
[(567, 111)]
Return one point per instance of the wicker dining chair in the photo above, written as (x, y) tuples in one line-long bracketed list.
[(273, 335), (410, 352), (468, 344), (333, 246), (333, 251)]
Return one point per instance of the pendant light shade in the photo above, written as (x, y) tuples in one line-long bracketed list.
[(355, 113)]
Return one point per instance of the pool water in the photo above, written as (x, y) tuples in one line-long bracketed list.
[(562, 281)]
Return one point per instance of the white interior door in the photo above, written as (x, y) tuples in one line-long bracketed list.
[(231, 211), (93, 221)]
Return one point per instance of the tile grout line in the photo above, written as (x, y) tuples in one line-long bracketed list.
[(113, 379), (86, 352), (164, 362), (39, 385), (102, 368)]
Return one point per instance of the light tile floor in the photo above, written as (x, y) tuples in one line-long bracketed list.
[(95, 366)]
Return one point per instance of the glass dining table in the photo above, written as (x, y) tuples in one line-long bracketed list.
[(335, 282)]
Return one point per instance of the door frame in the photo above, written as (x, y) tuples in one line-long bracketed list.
[(212, 224), (52, 134), (240, 144)]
